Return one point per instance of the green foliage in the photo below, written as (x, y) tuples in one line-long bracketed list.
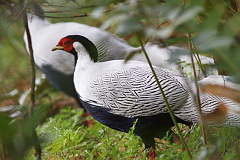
[(227, 141), (214, 29), (16, 136), (67, 139), (12, 51)]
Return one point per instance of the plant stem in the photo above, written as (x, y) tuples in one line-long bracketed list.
[(165, 99), (197, 97), (31, 59), (2, 150), (196, 56), (37, 145)]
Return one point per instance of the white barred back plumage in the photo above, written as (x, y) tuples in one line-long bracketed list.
[(132, 91)]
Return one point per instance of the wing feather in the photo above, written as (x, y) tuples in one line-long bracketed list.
[(133, 92)]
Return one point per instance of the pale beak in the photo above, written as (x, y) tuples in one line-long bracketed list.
[(57, 48)]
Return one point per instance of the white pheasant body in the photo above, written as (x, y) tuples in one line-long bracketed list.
[(45, 35), (117, 94), (128, 89), (59, 69)]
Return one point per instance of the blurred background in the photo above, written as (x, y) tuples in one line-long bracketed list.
[(211, 26)]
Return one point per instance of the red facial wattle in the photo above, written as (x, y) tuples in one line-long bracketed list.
[(66, 43)]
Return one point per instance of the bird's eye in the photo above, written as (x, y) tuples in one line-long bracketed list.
[(66, 42)]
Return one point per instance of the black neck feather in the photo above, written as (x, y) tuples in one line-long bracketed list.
[(74, 53), (88, 45)]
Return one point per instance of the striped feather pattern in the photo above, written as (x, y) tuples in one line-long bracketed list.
[(132, 91), (209, 103)]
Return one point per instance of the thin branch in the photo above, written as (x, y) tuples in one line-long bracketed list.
[(165, 99), (73, 16), (197, 91), (37, 145), (69, 10), (31, 58), (233, 5), (199, 62), (56, 5), (62, 11), (2, 150), (196, 56)]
